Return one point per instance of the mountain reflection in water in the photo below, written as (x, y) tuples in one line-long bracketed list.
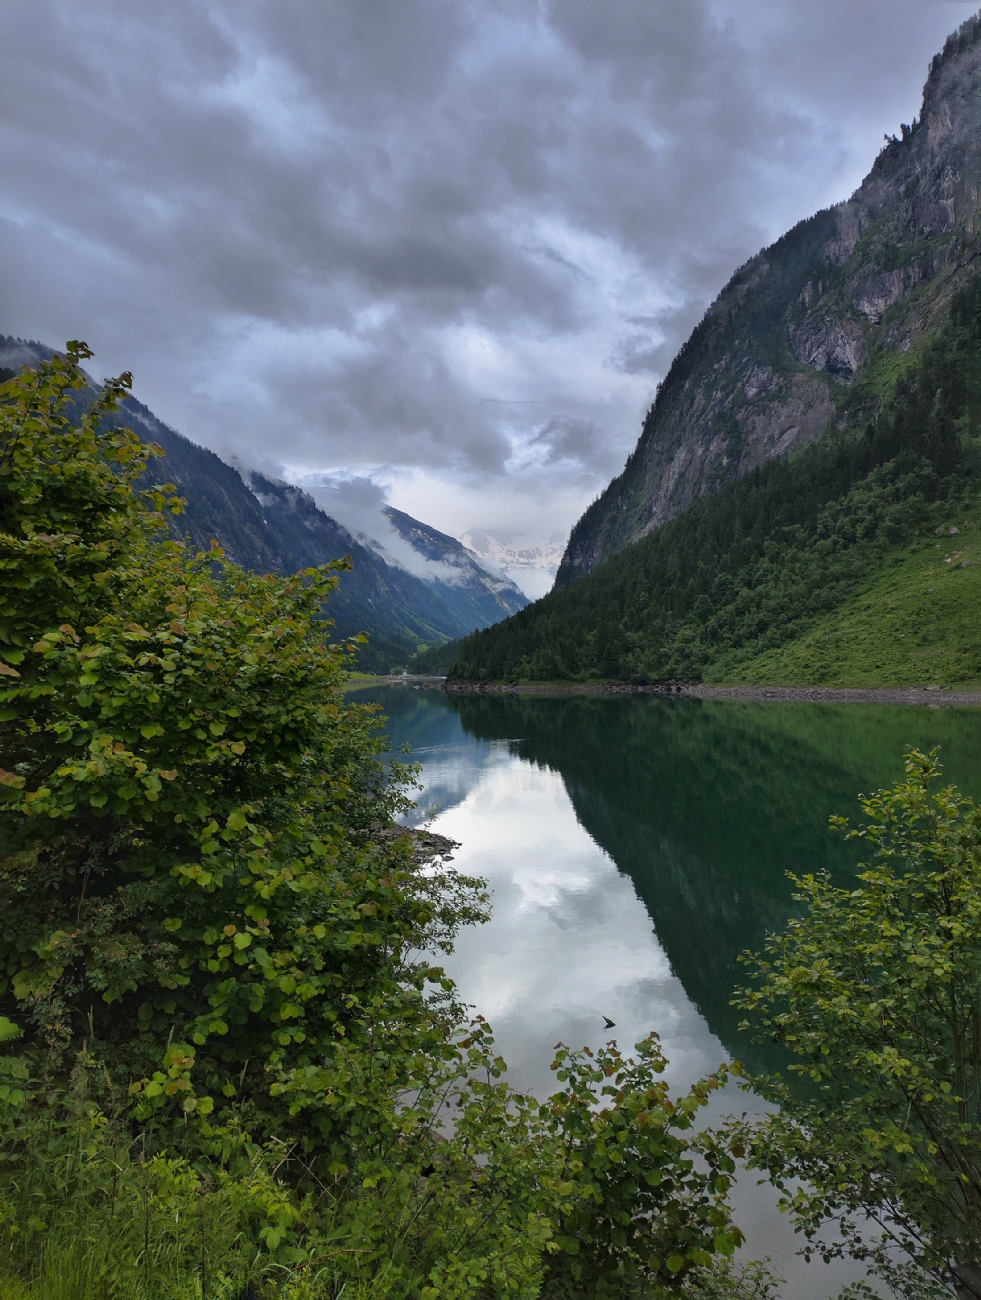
[(704, 804), (635, 847)]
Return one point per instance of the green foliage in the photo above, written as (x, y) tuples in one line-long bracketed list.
[(727, 1281), (904, 1278), (878, 991), (604, 1187), (635, 1207), (754, 565), (86, 1212), (436, 660), (67, 506), (193, 886), (225, 1056)]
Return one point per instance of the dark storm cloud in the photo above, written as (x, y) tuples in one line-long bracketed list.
[(425, 240)]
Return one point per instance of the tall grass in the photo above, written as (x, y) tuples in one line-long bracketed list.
[(85, 1214)]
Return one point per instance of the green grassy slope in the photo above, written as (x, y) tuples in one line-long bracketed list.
[(917, 621)]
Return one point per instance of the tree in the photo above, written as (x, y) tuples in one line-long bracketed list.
[(211, 990), (877, 991), (201, 882)]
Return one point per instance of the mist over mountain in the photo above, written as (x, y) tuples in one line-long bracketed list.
[(532, 560), (433, 590)]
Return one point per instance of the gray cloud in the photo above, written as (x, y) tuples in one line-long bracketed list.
[(448, 248), (570, 439)]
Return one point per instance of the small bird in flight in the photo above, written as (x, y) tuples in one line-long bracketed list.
[(608, 1023)]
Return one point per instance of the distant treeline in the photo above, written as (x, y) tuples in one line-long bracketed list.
[(751, 566)]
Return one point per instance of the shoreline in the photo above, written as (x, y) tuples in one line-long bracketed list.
[(921, 695), (932, 697)]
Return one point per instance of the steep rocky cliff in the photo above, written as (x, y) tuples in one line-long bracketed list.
[(854, 289)]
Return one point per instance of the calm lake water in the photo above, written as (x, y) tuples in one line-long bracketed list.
[(635, 847)]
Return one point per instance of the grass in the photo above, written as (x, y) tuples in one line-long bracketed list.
[(916, 622)]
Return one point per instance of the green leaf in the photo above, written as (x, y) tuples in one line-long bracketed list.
[(9, 1031)]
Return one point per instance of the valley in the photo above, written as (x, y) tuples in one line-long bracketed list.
[(402, 912)]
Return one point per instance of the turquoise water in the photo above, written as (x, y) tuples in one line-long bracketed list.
[(635, 847)]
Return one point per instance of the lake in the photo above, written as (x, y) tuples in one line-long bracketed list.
[(635, 846)]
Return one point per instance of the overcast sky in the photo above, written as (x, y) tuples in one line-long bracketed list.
[(448, 246)]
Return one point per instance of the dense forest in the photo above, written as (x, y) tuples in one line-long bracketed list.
[(754, 564)]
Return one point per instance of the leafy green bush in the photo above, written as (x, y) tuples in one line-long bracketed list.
[(225, 1061), (195, 889), (877, 991), (603, 1188)]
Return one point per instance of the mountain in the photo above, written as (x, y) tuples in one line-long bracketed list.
[(272, 526), (917, 620), (535, 560), (476, 594), (770, 365), (818, 432)]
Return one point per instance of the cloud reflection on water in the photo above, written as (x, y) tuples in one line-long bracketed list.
[(570, 942)]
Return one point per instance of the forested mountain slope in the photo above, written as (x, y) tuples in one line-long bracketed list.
[(774, 360), (271, 526), (759, 563), (917, 620)]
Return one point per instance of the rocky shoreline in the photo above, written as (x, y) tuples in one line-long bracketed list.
[(932, 696)]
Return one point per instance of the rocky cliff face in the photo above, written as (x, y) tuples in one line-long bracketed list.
[(770, 365)]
